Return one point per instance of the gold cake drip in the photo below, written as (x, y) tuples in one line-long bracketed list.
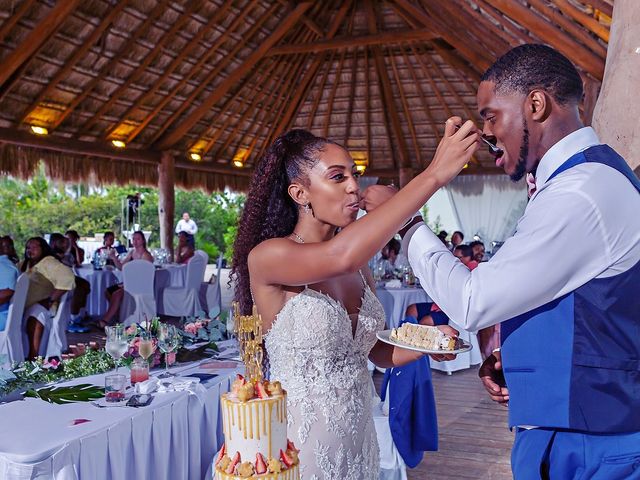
[(248, 331)]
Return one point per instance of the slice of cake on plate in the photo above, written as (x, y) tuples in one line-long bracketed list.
[(424, 336)]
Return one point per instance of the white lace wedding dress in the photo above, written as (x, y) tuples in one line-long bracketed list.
[(323, 367)]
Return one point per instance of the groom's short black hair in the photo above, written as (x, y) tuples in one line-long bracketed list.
[(530, 66)]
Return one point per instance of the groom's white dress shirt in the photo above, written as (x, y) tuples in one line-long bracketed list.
[(582, 224)]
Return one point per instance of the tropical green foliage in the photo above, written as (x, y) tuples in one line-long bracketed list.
[(39, 207)]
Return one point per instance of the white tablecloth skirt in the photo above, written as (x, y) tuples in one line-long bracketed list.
[(176, 437)]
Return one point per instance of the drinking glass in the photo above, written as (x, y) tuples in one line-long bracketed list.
[(117, 344), (115, 387), (139, 371), (167, 342), (146, 346)]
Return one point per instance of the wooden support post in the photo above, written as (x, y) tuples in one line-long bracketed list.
[(166, 199), (616, 114)]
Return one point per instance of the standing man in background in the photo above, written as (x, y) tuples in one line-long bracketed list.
[(186, 225)]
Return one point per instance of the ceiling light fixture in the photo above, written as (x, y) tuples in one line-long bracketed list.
[(118, 143), (195, 156), (39, 130), (238, 163)]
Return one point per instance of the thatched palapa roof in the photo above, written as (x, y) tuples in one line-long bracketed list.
[(221, 78)]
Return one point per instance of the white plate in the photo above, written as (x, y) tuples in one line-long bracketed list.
[(385, 336)]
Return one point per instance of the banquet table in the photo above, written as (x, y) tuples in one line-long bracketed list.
[(175, 437), (168, 275), (99, 280), (396, 300)]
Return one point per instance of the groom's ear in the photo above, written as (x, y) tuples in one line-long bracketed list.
[(298, 193)]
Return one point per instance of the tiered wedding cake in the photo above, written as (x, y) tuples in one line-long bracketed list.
[(254, 418)]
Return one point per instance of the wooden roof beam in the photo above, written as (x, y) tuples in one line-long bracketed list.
[(568, 25), (332, 95), (352, 95), (313, 26), (142, 67), (405, 107), (71, 62), (75, 147), (276, 113), (218, 65), (518, 34), (341, 43), (566, 45), (185, 125), (307, 81), (8, 25), (195, 41), (387, 98), (233, 109), (137, 33), (35, 39), (478, 58), (585, 20), (605, 6)]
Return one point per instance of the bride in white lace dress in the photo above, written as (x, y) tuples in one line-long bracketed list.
[(316, 299)]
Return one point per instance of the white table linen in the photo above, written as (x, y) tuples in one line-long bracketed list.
[(396, 300), (99, 280), (175, 437)]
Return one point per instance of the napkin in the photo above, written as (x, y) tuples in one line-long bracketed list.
[(395, 283), (148, 386)]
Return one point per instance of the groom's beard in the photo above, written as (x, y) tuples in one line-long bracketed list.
[(521, 166)]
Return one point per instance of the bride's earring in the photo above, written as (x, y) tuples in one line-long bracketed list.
[(307, 209)]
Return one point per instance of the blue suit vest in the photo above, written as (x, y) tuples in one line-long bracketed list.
[(574, 363)]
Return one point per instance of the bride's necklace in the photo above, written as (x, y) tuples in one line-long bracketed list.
[(298, 238)]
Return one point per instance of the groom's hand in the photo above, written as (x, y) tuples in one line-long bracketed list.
[(443, 357), (376, 195), (493, 378)]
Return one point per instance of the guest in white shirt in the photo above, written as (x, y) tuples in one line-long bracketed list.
[(186, 224), (569, 308)]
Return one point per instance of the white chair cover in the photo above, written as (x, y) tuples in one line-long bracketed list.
[(139, 302), (211, 293), (57, 339), (183, 301), (11, 336)]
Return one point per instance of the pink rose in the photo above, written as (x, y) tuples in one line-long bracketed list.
[(198, 325), (191, 328), (131, 329)]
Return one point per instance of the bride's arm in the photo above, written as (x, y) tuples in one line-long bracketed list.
[(283, 262)]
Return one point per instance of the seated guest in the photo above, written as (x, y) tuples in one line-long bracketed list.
[(443, 238), (186, 247), (7, 246), (478, 250), (48, 281), (76, 251), (465, 254), (8, 277), (115, 293), (60, 246), (392, 259), (456, 238), (108, 242), (433, 315)]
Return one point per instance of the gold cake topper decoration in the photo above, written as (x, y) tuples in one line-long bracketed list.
[(248, 331)]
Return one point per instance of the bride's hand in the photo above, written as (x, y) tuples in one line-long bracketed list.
[(454, 150)]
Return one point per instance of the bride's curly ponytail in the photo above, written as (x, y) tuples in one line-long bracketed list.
[(269, 210)]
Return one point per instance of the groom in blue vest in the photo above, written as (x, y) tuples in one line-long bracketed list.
[(566, 286)]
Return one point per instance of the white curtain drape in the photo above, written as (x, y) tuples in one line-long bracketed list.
[(487, 205)]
